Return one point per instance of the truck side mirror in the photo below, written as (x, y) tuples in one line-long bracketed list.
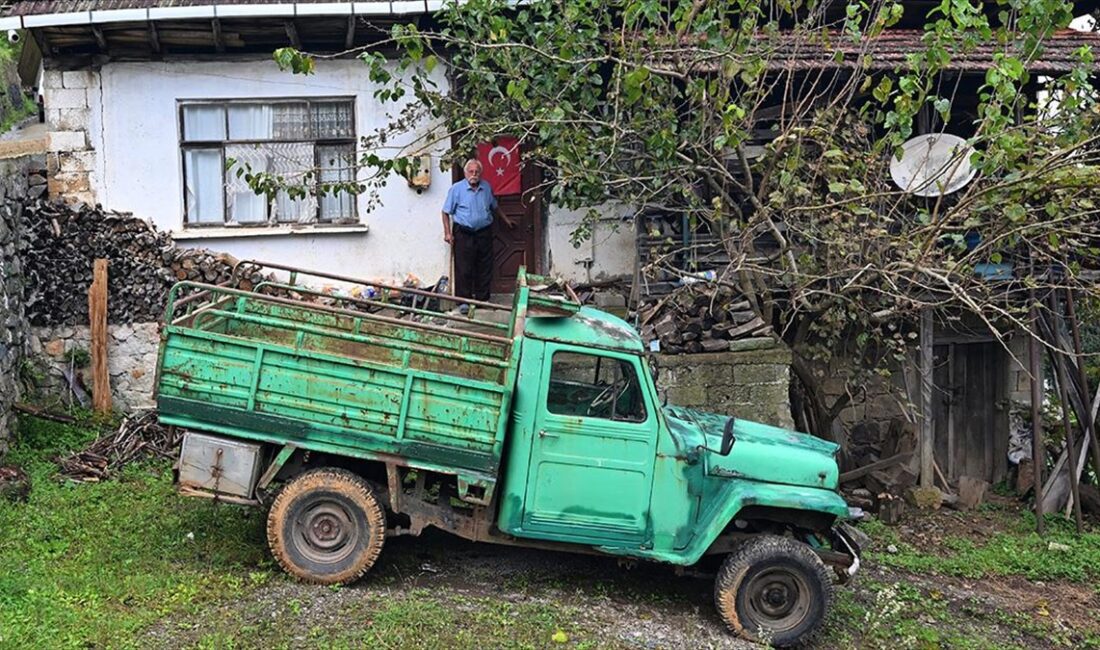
[(727, 437)]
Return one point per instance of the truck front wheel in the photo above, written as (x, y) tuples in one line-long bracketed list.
[(773, 589), (326, 527)]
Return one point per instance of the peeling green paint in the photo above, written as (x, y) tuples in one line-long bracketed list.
[(291, 373)]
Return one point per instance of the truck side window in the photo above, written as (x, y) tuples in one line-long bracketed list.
[(594, 386)]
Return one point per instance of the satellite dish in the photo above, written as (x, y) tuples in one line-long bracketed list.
[(933, 165)]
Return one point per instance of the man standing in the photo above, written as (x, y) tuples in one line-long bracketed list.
[(467, 219)]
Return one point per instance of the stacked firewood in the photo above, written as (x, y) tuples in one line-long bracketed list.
[(699, 318), (138, 437), (62, 241)]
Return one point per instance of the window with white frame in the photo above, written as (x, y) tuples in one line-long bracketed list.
[(286, 138)]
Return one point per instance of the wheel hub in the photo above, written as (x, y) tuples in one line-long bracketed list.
[(326, 531), (778, 599)]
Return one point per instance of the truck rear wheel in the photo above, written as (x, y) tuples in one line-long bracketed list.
[(326, 527), (774, 589)]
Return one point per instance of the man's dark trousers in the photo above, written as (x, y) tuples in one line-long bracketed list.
[(473, 261)]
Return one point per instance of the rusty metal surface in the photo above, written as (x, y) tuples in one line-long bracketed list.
[(32, 7), (832, 50)]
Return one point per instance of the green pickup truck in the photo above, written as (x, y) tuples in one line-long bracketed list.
[(356, 418)]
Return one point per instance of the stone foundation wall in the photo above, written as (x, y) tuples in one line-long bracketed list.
[(131, 360), (748, 383), (14, 187)]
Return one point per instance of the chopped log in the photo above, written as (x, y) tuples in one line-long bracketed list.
[(971, 492), (890, 509)]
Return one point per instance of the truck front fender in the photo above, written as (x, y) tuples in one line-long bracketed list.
[(738, 494)]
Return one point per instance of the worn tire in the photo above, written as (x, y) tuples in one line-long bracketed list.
[(326, 527), (774, 589)]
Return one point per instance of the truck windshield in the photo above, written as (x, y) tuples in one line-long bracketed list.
[(596, 386)]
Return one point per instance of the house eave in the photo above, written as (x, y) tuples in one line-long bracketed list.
[(282, 10)]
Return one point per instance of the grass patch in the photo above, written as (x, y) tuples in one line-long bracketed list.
[(90, 565), (1016, 551)]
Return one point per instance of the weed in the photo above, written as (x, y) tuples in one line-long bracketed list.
[(91, 565)]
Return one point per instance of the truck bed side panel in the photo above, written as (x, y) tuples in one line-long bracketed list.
[(287, 376)]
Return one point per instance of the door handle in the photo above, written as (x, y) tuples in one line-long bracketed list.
[(543, 433)]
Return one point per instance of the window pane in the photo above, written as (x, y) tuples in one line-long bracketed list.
[(291, 121), (203, 185), (594, 386), (333, 120), (245, 206), (336, 165), (203, 122), (251, 122), (290, 161)]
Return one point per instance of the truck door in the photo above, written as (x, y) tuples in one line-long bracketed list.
[(592, 455)]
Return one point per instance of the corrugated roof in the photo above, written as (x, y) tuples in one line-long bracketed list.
[(892, 48), (35, 7)]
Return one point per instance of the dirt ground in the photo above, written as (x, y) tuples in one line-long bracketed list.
[(608, 604)]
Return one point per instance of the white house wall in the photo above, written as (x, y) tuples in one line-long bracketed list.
[(115, 140), (140, 169), (608, 254)]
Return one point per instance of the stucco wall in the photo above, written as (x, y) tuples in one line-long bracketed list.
[(115, 130), (751, 384), (114, 140)]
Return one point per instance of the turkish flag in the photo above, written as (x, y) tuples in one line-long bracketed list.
[(501, 164)]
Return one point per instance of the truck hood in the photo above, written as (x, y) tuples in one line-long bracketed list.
[(760, 452)]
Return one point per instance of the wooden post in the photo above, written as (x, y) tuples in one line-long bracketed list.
[(97, 319), (1036, 416), (1058, 360), (927, 444), (1090, 426)]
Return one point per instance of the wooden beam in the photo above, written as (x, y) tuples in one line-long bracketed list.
[(44, 46), (292, 34), (100, 39), (97, 319), (219, 38), (349, 39), (1083, 380), (927, 444), (1058, 359), (154, 38), (860, 472), (1036, 413)]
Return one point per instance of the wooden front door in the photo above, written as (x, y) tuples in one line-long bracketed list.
[(522, 245), (969, 406), (519, 246)]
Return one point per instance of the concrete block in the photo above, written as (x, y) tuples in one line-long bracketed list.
[(72, 186), (66, 98), (70, 119), (76, 161), (763, 373), (688, 396), (68, 141), (76, 79), (51, 79)]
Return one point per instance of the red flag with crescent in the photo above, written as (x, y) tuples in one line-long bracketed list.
[(501, 164)]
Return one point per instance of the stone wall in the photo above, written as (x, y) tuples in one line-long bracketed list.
[(14, 187), (131, 360), (71, 161), (747, 383)]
